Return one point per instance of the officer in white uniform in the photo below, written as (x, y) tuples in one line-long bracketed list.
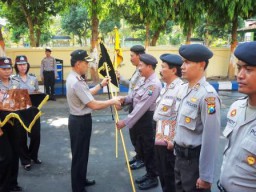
[(165, 117), (135, 51), (238, 172), (28, 81), (81, 104), (143, 100), (9, 149), (198, 123)]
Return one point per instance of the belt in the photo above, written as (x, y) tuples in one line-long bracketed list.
[(79, 116), (48, 71), (187, 152), (220, 187)]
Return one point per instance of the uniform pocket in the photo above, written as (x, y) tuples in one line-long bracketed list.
[(247, 157), (188, 117), (166, 108)]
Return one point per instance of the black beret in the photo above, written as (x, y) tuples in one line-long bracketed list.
[(246, 52), (80, 55), (21, 59), (195, 52), (139, 49), (148, 59), (5, 62), (172, 59), (48, 49)]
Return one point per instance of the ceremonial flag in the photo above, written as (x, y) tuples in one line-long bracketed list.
[(18, 104), (118, 51), (104, 58)]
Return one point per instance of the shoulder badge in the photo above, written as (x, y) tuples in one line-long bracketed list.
[(151, 90), (31, 74), (211, 108)]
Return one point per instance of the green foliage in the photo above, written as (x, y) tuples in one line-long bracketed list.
[(76, 21)]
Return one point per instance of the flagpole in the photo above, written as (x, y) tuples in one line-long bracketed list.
[(122, 137)]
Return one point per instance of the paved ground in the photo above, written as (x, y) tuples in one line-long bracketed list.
[(110, 173)]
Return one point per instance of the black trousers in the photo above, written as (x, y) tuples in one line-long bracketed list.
[(80, 128), (186, 175), (49, 82), (26, 152), (165, 166), (145, 139), (9, 159)]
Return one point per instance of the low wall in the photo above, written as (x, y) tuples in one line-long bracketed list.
[(218, 65)]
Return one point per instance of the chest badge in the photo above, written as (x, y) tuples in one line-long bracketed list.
[(250, 160), (233, 113), (193, 99), (188, 119), (165, 108)]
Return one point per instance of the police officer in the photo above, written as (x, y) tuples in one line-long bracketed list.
[(135, 51), (49, 73), (143, 100), (81, 103), (198, 123), (9, 159), (165, 117), (239, 160), (28, 81)]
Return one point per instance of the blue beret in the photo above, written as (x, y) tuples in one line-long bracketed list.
[(139, 49), (80, 55), (246, 52), (171, 59), (148, 59), (5, 62), (195, 52)]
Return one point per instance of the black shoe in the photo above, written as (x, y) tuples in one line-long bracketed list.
[(37, 161), (142, 179), (89, 182), (137, 164), (15, 188), (27, 167), (149, 183), (131, 161)]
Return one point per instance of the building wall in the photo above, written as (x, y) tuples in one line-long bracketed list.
[(218, 65)]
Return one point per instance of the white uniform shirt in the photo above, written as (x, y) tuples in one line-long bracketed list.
[(78, 94)]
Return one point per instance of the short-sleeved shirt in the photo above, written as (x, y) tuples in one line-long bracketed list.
[(238, 172), (143, 99), (14, 83), (31, 83), (198, 123), (165, 114), (48, 64), (78, 94)]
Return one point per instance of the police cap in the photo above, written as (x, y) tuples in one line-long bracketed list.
[(80, 55), (246, 52), (21, 59), (195, 52), (148, 59), (138, 49), (48, 49), (171, 59), (5, 62)]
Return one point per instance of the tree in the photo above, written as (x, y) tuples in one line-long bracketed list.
[(76, 21), (36, 15), (229, 12)]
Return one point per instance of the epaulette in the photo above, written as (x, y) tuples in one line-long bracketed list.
[(31, 74), (242, 98), (209, 88), (15, 78)]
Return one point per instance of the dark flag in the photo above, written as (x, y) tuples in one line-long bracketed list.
[(104, 58), (18, 104)]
